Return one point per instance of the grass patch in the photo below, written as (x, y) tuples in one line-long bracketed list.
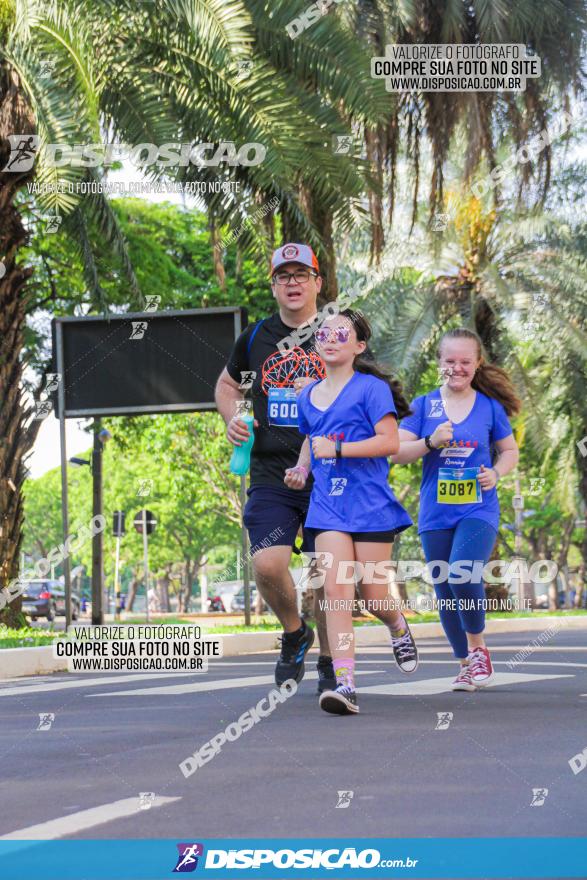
[(272, 625), (29, 637), (26, 637)]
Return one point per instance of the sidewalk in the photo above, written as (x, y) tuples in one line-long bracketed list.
[(18, 662)]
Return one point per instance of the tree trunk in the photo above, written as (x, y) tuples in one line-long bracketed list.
[(375, 155), (190, 574), (553, 596), (238, 269), (217, 253), (185, 589), (16, 439), (132, 590), (163, 590), (582, 468)]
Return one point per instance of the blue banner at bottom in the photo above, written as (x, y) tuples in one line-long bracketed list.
[(270, 859)]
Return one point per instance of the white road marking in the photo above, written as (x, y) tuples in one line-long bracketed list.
[(219, 685), (75, 822), (429, 686), (66, 684), (495, 663), (495, 649), (47, 684)]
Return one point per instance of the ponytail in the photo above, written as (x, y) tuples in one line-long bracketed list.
[(489, 379), (363, 364)]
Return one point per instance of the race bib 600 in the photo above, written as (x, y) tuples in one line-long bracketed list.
[(282, 407)]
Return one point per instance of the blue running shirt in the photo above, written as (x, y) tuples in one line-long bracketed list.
[(351, 494), (449, 491)]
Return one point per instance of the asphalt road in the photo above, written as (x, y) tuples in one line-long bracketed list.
[(115, 736)]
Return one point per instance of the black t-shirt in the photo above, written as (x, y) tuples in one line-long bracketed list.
[(277, 439)]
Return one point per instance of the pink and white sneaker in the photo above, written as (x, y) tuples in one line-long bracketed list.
[(463, 681), (480, 667)]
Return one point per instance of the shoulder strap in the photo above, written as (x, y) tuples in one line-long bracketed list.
[(492, 405), (492, 447), (423, 413), (252, 336)]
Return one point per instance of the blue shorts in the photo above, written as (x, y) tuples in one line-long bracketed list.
[(273, 517)]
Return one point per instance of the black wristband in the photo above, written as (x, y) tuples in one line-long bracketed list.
[(428, 443), (337, 447)]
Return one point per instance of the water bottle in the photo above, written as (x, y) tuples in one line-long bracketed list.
[(241, 455)]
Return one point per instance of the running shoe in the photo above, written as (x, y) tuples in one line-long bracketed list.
[(341, 701), (464, 681), (293, 653), (405, 650), (326, 676), (480, 666)]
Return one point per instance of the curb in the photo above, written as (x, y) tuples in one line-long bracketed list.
[(17, 662)]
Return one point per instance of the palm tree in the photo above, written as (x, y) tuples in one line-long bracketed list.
[(170, 72), (48, 92), (475, 122), (69, 72)]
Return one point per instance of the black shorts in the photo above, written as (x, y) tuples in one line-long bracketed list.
[(273, 517), (374, 537)]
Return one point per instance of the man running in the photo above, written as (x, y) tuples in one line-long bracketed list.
[(282, 359)]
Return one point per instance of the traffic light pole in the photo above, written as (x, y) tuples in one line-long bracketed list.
[(97, 542), (116, 590), (63, 453), (118, 530), (146, 560)]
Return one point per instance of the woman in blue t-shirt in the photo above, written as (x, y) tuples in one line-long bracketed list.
[(457, 429), (350, 418)]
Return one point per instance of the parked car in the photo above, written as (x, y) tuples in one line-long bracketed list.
[(45, 598), (238, 600)]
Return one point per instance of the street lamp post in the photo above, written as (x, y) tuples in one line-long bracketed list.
[(101, 436), (97, 542)]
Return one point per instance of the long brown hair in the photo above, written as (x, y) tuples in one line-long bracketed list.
[(488, 379), (368, 365)]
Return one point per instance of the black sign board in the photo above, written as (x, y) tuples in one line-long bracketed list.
[(149, 362)]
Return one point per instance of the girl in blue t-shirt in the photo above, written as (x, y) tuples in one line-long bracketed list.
[(457, 429), (350, 417)]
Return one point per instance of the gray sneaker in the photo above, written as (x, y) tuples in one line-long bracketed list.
[(405, 651), (341, 701)]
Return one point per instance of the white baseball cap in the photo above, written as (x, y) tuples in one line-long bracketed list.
[(294, 253)]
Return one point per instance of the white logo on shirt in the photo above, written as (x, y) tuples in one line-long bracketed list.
[(457, 452), (337, 485), (436, 409)]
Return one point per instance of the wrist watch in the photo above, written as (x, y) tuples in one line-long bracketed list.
[(338, 447), (428, 442)]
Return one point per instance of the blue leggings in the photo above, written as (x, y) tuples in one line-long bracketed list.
[(471, 539)]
